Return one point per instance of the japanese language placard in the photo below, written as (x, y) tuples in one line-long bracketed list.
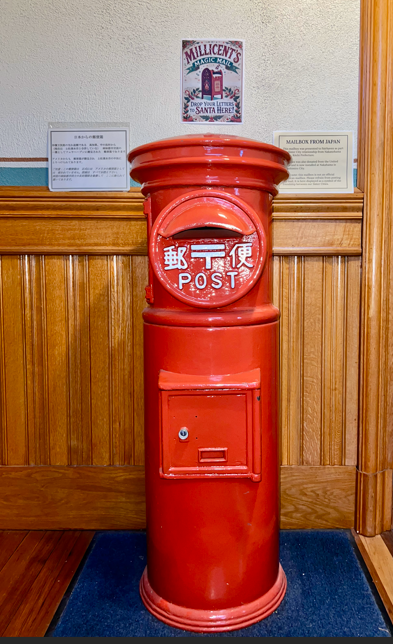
[(321, 161), (88, 159), (212, 81)]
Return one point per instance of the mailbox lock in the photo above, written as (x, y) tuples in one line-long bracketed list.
[(183, 434)]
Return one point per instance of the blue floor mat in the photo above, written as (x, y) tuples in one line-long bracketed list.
[(328, 594)]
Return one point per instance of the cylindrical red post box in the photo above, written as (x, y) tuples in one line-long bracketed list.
[(211, 382)]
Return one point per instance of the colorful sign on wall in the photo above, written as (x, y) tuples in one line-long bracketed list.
[(212, 81)]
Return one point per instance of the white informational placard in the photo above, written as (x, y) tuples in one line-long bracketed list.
[(93, 157), (321, 161), (212, 78)]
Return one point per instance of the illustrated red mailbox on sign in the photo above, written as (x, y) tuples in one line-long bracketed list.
[(211, 388)]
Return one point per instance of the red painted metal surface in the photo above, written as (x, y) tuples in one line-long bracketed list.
[(211, 389)]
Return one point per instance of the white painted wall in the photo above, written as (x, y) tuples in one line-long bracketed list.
[(119, 60)]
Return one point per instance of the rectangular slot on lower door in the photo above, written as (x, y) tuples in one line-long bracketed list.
[(210, 425), (213, 455)]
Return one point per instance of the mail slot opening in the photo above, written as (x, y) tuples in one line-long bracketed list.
[(213, 455), (207, 232)]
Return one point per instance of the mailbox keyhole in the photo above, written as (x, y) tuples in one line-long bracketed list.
[(183, 434)]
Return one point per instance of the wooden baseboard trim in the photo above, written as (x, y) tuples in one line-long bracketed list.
[(113, 498), (72, 498), (317, 497)]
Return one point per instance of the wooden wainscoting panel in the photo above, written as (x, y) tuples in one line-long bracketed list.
[(36, 359), (13, 382), (317, 224), (99, 313), (317, 497), (290, 271), (140, 280), (122, 352), (77, 235), (71, 364), (71, 354), (35, 220), (317, 237), (318, 206), (319, 300), (56, 357), (72, 498), (312, 360), (113, 498), (352, 356), (39, 201)]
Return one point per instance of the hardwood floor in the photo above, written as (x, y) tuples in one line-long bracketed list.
[(377, 553), (36, 568)]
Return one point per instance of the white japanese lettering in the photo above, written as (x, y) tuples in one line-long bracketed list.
[(207, 251), (242, 251), (174, 257)]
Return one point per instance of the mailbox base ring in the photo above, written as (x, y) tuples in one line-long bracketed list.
[(213, 621)]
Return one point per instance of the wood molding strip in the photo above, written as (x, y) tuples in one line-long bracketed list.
[(37, 221), (375, 177)]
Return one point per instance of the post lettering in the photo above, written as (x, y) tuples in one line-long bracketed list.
[(184, 278), (216, 280), (232, 275), (198, 283)]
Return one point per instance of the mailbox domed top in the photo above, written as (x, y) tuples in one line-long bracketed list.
[(209, 160)]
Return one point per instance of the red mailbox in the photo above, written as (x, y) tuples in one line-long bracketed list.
[(211, 388)]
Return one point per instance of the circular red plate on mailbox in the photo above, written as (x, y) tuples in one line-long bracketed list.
[(208, 248)]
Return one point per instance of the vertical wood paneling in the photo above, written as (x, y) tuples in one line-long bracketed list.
[(291, 359), (326, 360), (40, 370), (319, 302), (312, 360), (74, 361), (121, 360), (139, 281), (76, 365), (33, 437), (352, 362), (71, 372), (14, 382), (3, 414), (57, 358), (85, 358), (334, 359), (276, 282), (101, 388)]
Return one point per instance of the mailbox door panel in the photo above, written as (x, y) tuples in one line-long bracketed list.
[(218, 427)]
